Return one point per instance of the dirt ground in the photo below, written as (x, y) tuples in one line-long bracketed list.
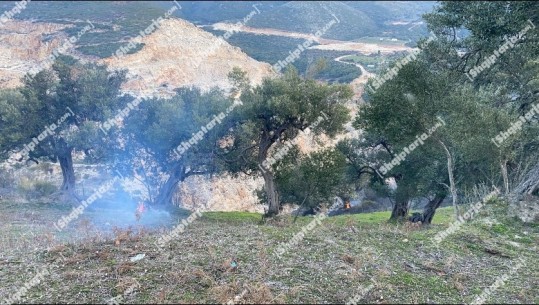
[(224, 257)]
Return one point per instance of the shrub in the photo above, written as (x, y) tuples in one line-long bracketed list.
[(44, 188), (368, 205), (45, 167), (36, 189)]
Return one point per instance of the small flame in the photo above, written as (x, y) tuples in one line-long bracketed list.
[(140, 210)]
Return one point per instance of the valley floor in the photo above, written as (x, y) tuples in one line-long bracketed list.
[(347, 257)]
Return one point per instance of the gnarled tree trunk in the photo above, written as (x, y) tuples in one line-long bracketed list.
[(166, 192), (505, 175), (68, 173), (400, 211), (400, 208), (269, 180), (271, 193), (430, 209), (65, 158)]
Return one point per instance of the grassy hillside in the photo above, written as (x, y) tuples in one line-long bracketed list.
[(374, 63), (118, 21), (208, 12), (385, 13), (271, 49), (332, 264), (381, 11), (309, 17)]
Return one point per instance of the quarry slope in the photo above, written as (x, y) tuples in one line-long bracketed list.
[(24, 45), (178, 54)]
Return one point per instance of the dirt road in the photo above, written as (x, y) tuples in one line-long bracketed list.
[(325, 44), (358, 83)]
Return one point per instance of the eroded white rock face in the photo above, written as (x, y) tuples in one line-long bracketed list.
[(180, 54), (222, 193), (176, 54), (25, 45)]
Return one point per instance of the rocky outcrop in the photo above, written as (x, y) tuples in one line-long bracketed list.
[(222, 193), (178, 54), (25, 45)]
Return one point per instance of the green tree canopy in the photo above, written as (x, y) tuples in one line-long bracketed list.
[(273, 114), (57, 110), (173, 139)]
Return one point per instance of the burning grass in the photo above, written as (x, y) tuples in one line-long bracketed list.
[(224, 257)]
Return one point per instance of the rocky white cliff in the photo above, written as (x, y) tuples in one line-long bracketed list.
[(180, 54), (25, 45)]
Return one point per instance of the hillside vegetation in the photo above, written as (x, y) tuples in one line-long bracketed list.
[(118, 21), (357, 19), (334, 263), (189, 172)]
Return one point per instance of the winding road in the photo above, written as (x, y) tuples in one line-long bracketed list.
[(358, 83), (326, 44)]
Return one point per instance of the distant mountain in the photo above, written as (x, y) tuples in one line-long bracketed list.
[(382, 11), (309, 17), (181, 54), (115, 22), (357, 18), (208, 12), (119, 21), (175, 54)]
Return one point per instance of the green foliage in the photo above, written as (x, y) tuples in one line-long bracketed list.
[(505, 93), (278, 110), (10, 121), (275, 112), (163, 124), (434, 86), (415, 98), (316, 179), (150, 141), (239, 80), (271, 49), (57, 111), (70, 96), (36, 189)]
